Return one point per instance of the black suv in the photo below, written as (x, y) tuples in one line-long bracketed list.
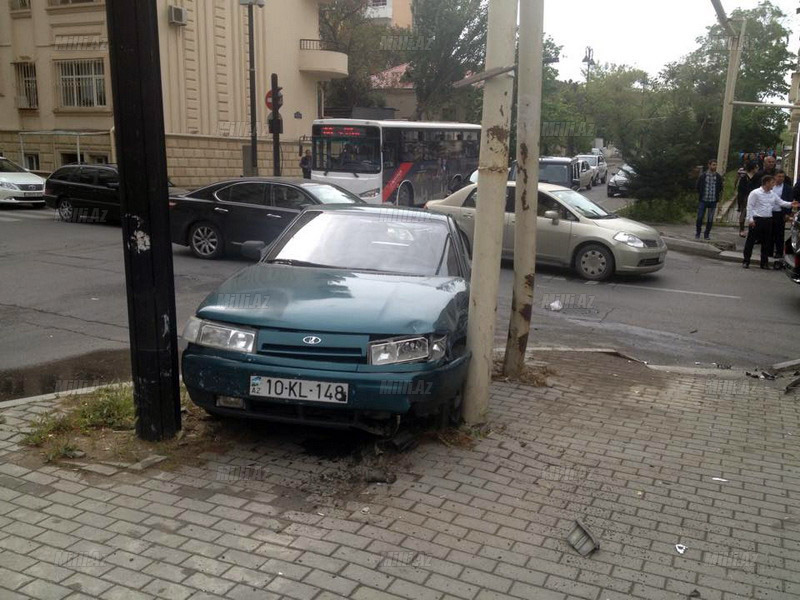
[(84, 192), (88, 192)]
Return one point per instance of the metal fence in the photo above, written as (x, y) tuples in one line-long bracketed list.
[(81, 83), (27, 91), (317, 45)]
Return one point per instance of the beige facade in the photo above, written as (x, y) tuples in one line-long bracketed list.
[(54, 77), (394, 12)]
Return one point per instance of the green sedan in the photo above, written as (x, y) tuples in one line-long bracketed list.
[(355, 317)]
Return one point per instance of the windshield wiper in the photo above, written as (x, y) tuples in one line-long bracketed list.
[(298, 263)]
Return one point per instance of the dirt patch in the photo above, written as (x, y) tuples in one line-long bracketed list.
[(533, 375)]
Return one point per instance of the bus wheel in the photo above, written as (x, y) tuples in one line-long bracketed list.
[(405, 195)]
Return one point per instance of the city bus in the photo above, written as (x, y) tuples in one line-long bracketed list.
[(399, 162)]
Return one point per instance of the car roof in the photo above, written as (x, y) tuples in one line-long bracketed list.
[(287, 180), (564, 159), (379, 209), (74, 164)]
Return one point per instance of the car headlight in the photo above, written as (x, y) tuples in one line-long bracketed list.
[(407, 349), (795, 238), (217, 335), (370, 193), (8, 185), (629, 239)]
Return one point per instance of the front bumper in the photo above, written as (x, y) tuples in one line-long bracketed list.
[(791, 268), (13, 197), (639, 260), (374, 396)]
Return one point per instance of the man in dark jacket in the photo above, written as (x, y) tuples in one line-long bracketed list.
[(782, 189), (769, 168), (709, 190)]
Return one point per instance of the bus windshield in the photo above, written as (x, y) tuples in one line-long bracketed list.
[(347, 149)]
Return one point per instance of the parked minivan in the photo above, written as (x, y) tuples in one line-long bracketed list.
[(87, 192)]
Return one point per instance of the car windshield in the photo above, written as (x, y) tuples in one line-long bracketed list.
[(406, 242), (582, 205), (626, 171), (7, 166), (329, 194), (591, 159), (554, 173)]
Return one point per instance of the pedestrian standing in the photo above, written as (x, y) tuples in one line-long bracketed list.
[(709, 190), (305, 165), (783, 189), (760, 205), (768, 167), (746, 184)]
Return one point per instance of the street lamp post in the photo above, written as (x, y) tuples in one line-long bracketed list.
[(252, 52)]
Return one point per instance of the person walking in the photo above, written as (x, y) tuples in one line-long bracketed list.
[(783, 189), (305, 165), (746, 184), (709, 190), (768, 167), (760, 205)]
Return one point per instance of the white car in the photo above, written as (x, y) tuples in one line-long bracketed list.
[(20, 186), (572, 232), (598, 165)]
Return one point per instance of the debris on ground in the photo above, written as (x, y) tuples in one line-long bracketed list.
[(403, 441), (794, 384), (680, 548), (555, 306), (763, 375), (694, 594), (719, 479), (535, 376), (582, 539), (379, 476)]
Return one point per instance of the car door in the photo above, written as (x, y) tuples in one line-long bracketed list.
[(107, 192), (602, 167), (553, 237), (287, 202), (464, 215), (241, 211), (82, 189)]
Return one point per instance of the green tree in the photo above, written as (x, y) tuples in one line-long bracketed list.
[(454, 32), (344, 26)]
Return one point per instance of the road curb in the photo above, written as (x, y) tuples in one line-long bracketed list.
[(689, 247), (57, 395)]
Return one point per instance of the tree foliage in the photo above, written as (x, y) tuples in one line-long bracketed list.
[(455, 36)]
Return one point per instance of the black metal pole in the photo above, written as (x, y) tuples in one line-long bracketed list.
[(276, 136), (142, 160), (253, 121)]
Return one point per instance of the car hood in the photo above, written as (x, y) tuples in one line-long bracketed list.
[(640, 230), (24, 178), (338, 301)]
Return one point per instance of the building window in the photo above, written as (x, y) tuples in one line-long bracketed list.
[(377, 3), (99, 159), (20, 4), (81, 83), (32, 161), (68, 158), (27, 92), (67, 2)]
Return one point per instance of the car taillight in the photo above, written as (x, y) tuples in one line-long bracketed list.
[(425, 206), (172, 204)]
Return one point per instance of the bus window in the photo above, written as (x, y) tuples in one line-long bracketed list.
[(411, 146), (347, 149)]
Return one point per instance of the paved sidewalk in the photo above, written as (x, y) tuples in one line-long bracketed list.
[(646, 459)]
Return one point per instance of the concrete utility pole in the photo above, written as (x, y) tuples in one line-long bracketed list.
[(493, 170), (529, 117), (251, 43), (734, 59)]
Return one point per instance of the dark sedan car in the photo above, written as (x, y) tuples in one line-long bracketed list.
[(354, 317), (218, 218)]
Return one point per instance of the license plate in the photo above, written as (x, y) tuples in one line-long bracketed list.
[(30, 194), (299, 389)]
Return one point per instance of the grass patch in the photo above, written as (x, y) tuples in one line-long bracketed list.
[(676, 210)]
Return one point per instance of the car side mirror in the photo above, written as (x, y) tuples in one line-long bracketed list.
[(552, 215), (252, 249)]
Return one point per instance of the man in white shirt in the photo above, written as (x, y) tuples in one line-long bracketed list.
[(760, 204)]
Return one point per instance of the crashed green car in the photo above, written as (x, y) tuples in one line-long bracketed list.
[(355, 317)]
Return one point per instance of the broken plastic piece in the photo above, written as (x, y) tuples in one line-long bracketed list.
[(719, 479), (555, 305), (680, 548), (582, 539)]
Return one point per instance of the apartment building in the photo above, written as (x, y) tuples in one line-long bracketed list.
[(392, 12), (55, 87)]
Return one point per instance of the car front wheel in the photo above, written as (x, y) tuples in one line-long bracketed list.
[(594, 262), (65, 210), (205, 241)]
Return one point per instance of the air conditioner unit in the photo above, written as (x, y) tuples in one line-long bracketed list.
[(178, 15)]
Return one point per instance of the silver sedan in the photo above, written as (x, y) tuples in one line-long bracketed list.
[(572, 232)]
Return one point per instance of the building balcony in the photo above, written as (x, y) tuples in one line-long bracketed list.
[(322, 60)]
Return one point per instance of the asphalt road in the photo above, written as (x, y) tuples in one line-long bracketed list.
[(62, 298)]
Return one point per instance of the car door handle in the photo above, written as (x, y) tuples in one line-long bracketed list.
[(467, 216), (271, 216), (221, 210)]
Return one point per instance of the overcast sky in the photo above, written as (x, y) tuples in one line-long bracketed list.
[(643, 33)]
